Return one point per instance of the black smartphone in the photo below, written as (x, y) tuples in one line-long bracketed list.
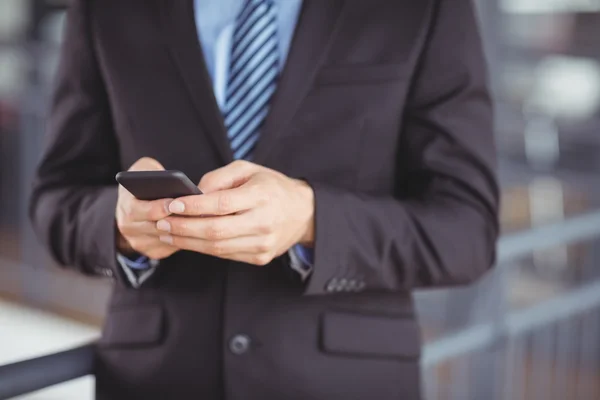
[(154, 185)]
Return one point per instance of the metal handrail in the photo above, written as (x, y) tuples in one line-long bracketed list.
[(511, 248), (486, 335), (575, 229), (39, 373)]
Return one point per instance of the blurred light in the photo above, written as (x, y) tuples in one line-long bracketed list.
[(566, 87), (546, 32), (547, 6), (12, 72), (546, 198), (542, 143), (13, 19)]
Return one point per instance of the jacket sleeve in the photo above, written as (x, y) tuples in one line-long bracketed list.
[(441, 226), (74, 194)]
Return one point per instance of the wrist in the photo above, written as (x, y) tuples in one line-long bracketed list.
[(307, 197)]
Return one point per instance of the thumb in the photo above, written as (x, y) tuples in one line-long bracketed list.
[(146, 164), (228, 177)]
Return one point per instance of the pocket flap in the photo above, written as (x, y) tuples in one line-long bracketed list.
[(370, 336), (134, 326)]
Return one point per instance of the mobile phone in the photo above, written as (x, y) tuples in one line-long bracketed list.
[(154, 185)]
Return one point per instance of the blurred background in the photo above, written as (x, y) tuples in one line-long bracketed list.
[(529, 330)]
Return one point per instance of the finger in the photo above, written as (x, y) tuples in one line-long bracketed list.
[(138, 210), (150, 246), (224, 202), (138, 228), (222, 248), (230, 176), (215, 228), (146, 164)]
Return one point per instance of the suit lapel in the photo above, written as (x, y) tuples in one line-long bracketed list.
[(179, 26), (314, 32)]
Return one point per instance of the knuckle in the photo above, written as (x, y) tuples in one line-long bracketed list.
[(265, 227), (178, 226), (263, 247), (264, 198), (224, 204), (214, 232), (261, 194), (192, 206)]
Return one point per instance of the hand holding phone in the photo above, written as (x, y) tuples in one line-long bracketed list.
[(144, 196)]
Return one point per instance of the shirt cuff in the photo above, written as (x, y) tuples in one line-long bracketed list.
[(137, 271), (140, 263), (301, 260)]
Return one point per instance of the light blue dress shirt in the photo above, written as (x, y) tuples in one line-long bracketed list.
[(215, 23)]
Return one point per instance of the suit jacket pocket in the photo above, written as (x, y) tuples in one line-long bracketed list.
[(371, 336), (360, 74), (134, 326)]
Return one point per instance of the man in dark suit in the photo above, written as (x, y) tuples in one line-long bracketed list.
[(346, 154)]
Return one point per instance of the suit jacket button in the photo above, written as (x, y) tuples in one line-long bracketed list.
[(239, 344)]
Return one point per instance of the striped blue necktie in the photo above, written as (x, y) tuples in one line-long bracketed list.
[(253, 73)]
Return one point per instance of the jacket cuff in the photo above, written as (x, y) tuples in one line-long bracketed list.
[(329, 272), (103, 258), (138, 263)]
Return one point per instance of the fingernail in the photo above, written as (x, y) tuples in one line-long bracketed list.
[(176, 207), (167, 203), (163, 225), (166, 239)]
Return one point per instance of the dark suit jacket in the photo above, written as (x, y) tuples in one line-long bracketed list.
[(383, 108)]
